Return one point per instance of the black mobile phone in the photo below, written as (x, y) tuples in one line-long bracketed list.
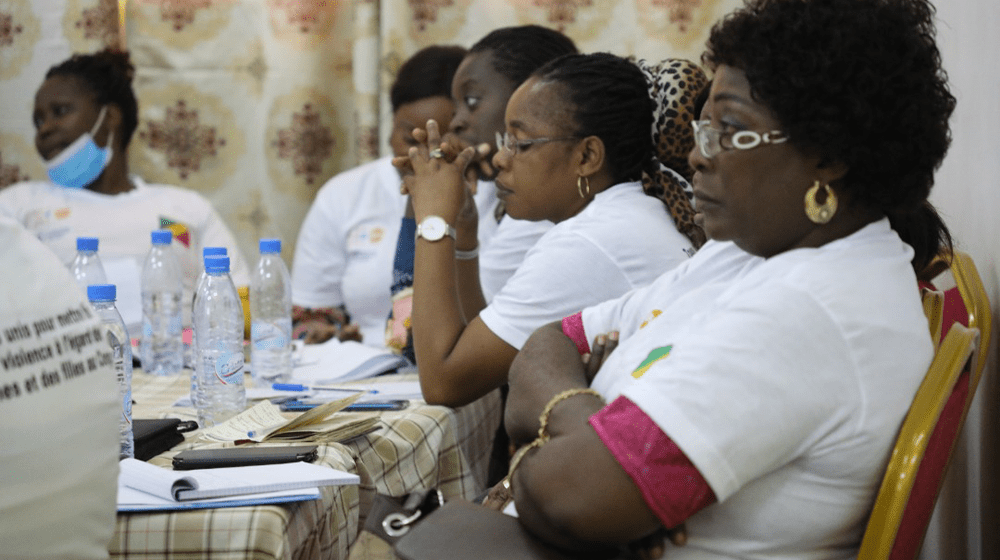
[(242, 456), (388, 404)]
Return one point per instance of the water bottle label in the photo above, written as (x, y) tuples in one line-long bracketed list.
[(229, 368), (267, 336), (127, 409)]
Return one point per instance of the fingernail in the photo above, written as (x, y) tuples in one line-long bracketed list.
[(613, 336), (585, 358), (601, 339)]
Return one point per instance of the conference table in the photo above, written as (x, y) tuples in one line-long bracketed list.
[(421, 446)]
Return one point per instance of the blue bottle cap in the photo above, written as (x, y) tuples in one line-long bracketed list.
[(213, 252), (162, 236), (270, 246), (102, 292), (216, 264), (86, 243)]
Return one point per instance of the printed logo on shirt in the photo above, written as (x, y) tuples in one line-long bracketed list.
[(180, 231), (656, 313), (62, 213), (364, 238), (656, 355)]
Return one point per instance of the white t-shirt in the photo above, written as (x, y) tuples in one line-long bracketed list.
[(622, 239), (784, 381), (59, 445), (345, 251), (503, 254), (123, 222)]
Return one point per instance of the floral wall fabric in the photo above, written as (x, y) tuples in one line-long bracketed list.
[(256, 103)]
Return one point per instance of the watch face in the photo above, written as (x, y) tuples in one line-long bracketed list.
[(433, 228)]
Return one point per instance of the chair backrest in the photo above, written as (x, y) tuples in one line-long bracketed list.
[(977, 305), (923, 448)]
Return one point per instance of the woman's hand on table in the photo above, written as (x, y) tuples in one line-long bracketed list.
[(318, 331)]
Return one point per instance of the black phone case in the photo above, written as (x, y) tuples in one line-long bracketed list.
[(242, 456), (154, 436)]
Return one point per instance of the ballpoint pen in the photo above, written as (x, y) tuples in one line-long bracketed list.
[(299, 387)]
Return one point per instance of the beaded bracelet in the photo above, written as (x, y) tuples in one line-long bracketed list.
[(543, 426)]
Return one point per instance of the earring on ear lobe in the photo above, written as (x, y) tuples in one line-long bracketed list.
[(583, 184), (820, 213)]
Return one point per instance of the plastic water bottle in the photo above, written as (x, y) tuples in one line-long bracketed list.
[(87, 268), (218, 324), (189, 358), (102, 297), (270, 317), (160, 347)]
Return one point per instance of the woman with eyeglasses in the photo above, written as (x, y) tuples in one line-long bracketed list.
[(576, 144), (754, 393)]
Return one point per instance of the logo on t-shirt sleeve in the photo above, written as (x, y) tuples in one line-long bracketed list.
[(654, 356), (181, 233)]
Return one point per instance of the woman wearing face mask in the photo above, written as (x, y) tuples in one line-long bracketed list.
[(755, 392), (576, 142), (85, 115)]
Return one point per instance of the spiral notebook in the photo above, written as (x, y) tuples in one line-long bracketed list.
[(164, 486)]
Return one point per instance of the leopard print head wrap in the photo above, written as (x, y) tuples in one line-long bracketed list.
[(674, 84)]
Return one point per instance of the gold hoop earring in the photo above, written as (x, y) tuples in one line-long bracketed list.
[(820, 213), (580, 188)]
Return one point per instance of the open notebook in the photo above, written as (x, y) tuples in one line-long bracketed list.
[(143, 487)]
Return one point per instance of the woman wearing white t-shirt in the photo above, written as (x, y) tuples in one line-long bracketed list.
[(756, 391), (577, 142), (85, 115), (342, 269)]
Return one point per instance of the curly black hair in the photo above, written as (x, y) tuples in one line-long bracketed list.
[(520, 50), (427, 73), (858, 82), (108, 75), (610, 100)]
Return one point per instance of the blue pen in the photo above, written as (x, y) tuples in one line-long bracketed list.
[(298, 387)]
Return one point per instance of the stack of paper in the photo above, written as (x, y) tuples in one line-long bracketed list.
[(264, 422), (145, 487), (335, 361)]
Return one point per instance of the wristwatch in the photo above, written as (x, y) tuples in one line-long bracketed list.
[(434, 228)]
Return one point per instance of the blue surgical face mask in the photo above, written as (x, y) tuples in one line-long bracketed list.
[(82, 162)]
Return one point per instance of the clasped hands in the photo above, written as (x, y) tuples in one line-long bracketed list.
[(440, 176)]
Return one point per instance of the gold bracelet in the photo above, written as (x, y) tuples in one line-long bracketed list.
[(543, 421)]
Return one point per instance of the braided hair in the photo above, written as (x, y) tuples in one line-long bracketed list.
[(609, 100), (427, 73), (518, 51), (108, 75)]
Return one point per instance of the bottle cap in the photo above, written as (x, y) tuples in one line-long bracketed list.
[(86, 243), (216, 264), (269, 246), (214, 252), (102, 292), (162, 236)]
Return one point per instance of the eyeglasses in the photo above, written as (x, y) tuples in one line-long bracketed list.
[(712, 141), (515, 146)]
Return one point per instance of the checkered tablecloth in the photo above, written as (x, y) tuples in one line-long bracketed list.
[(422, 446)]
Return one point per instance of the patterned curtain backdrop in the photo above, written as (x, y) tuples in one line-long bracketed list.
[(256, 103)]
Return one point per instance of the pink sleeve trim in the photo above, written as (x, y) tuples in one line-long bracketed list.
[(671, 485), (572, 327)]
